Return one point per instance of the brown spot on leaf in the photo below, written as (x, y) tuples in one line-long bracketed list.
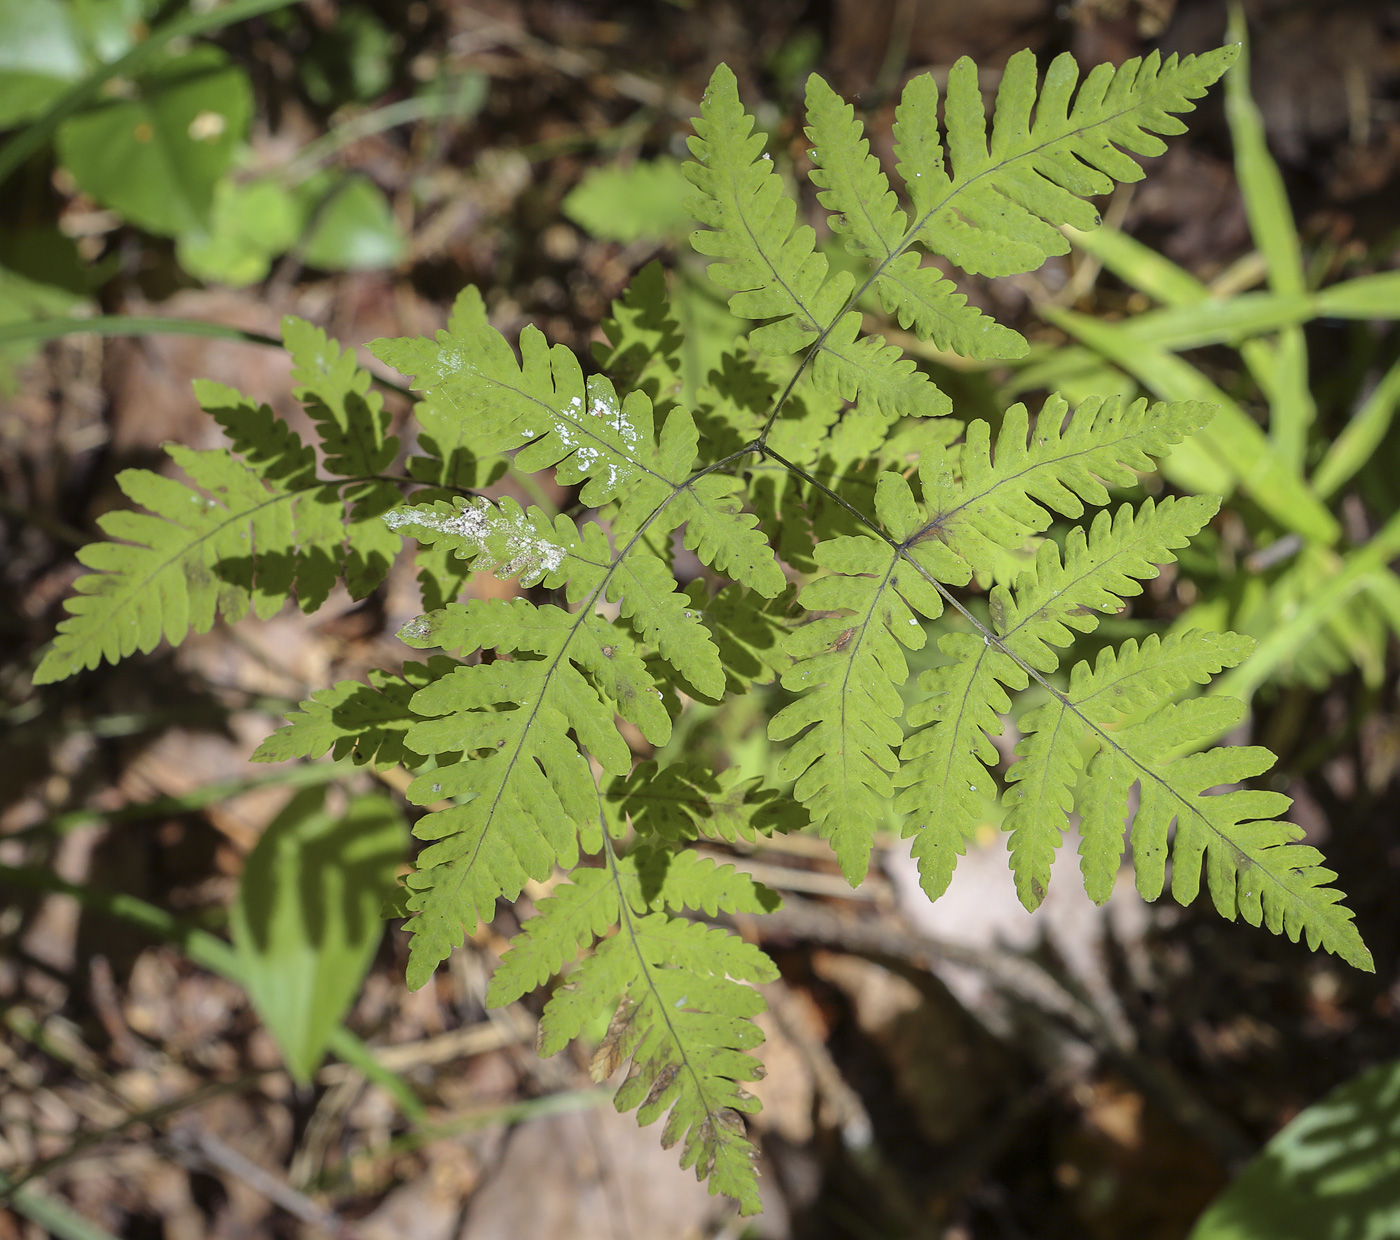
[(612, 1050)]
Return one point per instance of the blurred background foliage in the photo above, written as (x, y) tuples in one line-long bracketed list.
[(204, 1026)]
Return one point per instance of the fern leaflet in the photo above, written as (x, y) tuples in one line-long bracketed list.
[(685, 1018)]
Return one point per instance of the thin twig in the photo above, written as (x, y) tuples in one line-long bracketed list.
[(194, 1141)]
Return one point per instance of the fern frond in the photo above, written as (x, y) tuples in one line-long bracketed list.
[(748, 632), (1123, 686), (987, 504), (577, 913), (1255, 869), (993, 210), (240, 542), (512, 541), (353, 426), (685, 801), (586, 667), (867, 213), (996, 209), (523, 785), (946, 761), (364, 722), (684, 1014), (644, 341), (1097, 571), (949, 750), (261, 525), (541, 403), (772, 264)]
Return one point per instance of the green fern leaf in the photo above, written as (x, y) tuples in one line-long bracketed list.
[(1255, 869), (526, 782), (353, 425), (577, 913), (261, 527), (364, 722), (541, 404), (644, 341), (849, 666), (772, 264), (868, 215), (238, 543), (946, 761), (748, 631), (685, 1022), (511, 541), (987, 505), (683, 801), (1048, 605), (1097, 572), (685, 1016), (1123, 685), (996, 209)]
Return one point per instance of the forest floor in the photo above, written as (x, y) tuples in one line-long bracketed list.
[(958, 1072)]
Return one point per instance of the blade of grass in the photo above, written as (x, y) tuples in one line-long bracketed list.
[(1234, 320), (54, 1216), (128, 325), (1355, 572), (300, 776), (1141, 267), (188, 26), (205, 950), (149, 325), (1366, 297), (464, 102), (1232, 439), (1292, 410), (1360, 437), (1229, 321)]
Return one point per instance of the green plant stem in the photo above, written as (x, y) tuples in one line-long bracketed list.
[(128, 325), (1360, 437), (53, 1216), (32, 138)]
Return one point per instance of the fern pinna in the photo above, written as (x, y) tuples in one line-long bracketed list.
[(817, 456)]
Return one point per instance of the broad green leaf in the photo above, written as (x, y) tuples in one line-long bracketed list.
[(40, 54), (305, 922), (252, 223), (645, 199), (47, 45), (351, 225), (1332, 1174), (157, 156)]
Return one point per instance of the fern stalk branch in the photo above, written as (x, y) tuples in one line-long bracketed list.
[(993, 641)]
